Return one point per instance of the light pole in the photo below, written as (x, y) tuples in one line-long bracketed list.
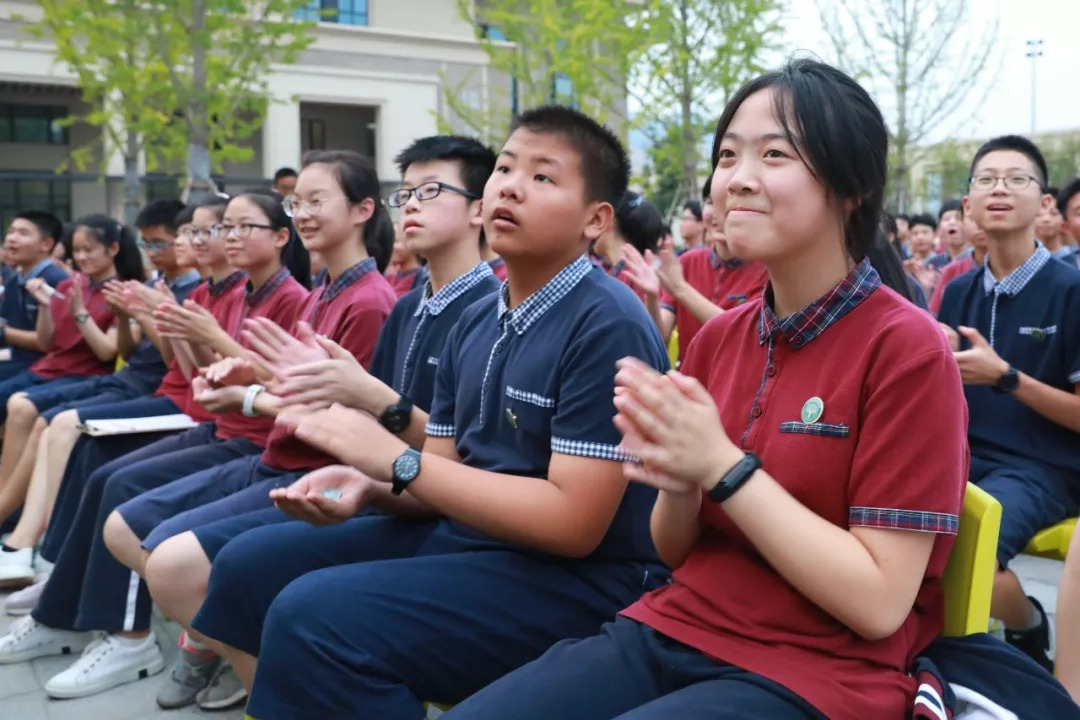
[(1034, 52)]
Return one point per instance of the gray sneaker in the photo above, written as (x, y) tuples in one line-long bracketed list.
[(190, 675), (224, 691)]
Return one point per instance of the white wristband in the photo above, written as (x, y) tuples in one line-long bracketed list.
[(249, 399)]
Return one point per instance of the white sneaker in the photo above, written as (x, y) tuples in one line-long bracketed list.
[(28, 639), (106, 663), (22, 602), (42, 567), (17, 568)]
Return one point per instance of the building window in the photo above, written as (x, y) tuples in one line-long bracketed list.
[(33, 124), (345, 12), (314, 134), (161, 188), (493, 33), (19, 194)]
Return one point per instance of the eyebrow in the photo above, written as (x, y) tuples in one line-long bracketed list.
[(1014, 169), (540, 160), (767, 137)]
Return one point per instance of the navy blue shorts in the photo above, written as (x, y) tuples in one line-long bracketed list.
[(236, 487), (216, 535), (140, 407), (630, 672), (51, 400), (1032, 498), (23, 382), (383, 613)]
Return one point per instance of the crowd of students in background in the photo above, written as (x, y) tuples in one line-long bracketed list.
[(444, 457)]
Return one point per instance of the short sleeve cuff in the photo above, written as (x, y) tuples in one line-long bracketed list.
[(584, 448), (437, 430), (894, 519), (1075, 377), (668, 306)]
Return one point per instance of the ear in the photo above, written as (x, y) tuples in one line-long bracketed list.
[(966, 201), (281, 238), (476, 214), (362, 211), (113, 250), (600, 217), (1048, 201)]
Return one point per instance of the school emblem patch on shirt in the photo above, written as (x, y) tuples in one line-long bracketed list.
[(812, 410)]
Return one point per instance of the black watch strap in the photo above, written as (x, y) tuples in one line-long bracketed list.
[(735, 478), (396, 417)]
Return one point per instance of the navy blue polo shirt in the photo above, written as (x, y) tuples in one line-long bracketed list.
[(516, 385), (1031, 319), (146, 368), (410, 343), (19, 307)]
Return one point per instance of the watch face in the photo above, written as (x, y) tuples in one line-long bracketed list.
[(407, 467)]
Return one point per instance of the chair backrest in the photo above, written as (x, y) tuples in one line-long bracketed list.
[(969, 576)]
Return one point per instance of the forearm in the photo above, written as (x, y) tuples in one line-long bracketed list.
[(125, 338), (44, 328), (101, 342), (184, 358), (696, 303), (1057, 406), (378, 397), (27, 339), (404, 505), (529, 511), (225, 346), (656, 312), (150, 332), (675, 525), (827, 564)]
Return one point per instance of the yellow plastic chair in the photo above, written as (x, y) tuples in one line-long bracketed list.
[(1053, 542), (120, 363), (673, 347), (969, 576)]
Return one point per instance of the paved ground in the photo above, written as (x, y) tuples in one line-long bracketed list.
[(22, 696)]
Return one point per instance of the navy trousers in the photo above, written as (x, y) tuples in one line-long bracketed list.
[(89, 589), (631, 672), (383, 613)]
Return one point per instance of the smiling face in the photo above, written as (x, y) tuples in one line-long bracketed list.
[(1049, 225), (770, 205), (249, 242), (324, 217), (535, 204), (209, 248), (93, 257), (921, 238), (1001, 211), (24, 245)]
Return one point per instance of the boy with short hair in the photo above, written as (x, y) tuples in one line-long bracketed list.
[(1050, 228), (950, 235), (972, 258), (285, 181), (28, 248), (691, 226), (1010, 323), (921, 237), (1068, 205), (537, 536)]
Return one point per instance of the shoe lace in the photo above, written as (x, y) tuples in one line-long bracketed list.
[(95, 652), (23, 628)]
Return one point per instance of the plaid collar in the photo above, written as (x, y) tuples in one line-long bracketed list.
[(435, 304), (615, 269), (191, 277), (802, 327), (533, 307), (347, 279), (217, 289), (716, 261), (35, 271), (255, 298), (1018, 279), (93, 286)]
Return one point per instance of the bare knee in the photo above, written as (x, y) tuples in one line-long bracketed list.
[(118, 536), (178, 567), (21, 410), (66, 423)]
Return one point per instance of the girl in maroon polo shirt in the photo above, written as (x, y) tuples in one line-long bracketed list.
[(808, 526), (79, 328)]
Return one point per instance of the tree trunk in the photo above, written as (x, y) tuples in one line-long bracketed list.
[(688, 142), (132, 194), (200, 187)]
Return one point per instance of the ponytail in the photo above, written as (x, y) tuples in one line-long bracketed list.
[(108, 232), (359, 181)]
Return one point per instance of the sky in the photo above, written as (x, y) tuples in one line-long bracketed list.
[(1007, 105), (1007, 108)]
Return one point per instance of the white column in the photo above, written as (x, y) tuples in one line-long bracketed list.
[(281, 137)]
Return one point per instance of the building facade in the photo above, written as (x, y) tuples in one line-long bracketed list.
[(372, 81)]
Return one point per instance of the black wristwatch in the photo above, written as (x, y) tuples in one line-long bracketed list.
[(396, 417), (1008, 382), (406, 468), (735, 478)]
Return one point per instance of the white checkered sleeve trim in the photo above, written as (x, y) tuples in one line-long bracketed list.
[(1075, 377), (529, 397), (437, 430), (584, 448)]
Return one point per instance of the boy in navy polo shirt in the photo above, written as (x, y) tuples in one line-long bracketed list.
[(1012, 325), (950, 235), (539, 537), (28, 247), (443, 179), (1068, 204)]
